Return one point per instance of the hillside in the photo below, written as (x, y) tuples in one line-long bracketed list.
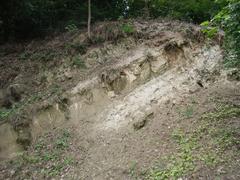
[(140, 100)]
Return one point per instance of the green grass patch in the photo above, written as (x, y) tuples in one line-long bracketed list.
[(49, 156), (181, 162), (79, 62), (212, 142), (223, 112), (41, 55), (128, 28)]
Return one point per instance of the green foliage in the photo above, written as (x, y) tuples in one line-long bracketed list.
[(80, 48), (229, 20), (71, 28), (4, 113), (28, 18), (188, 113), (209, 144), (189, 10), (209, 31), (40, 55), (78, 62), (128, 28), (223, 112), (47, 158), (24, 56), (180, 163), (17, 108)]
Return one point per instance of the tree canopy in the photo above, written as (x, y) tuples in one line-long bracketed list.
[(29, 18)]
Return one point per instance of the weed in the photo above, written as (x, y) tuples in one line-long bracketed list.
[(39, 146), (97, 39), (77, 47), (80, 48), (17, 108), (226, 137), (71, 28), (62, 141), (4, 113), (190, 147), (178, 166), (223, 112), (49, 156), (208, 30), (47, 159), (61, 144), (24, 56), (187, 112), (44, 55), (68, 160), (78, 62), (128, 28), (132, 170), (30, 159), (209, 158), (181, 162)]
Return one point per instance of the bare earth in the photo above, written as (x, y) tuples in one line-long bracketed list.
[(157, 107)]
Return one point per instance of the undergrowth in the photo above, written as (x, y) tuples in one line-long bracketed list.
[(213, 141), (79, 62), (19, 107), (48, 157)]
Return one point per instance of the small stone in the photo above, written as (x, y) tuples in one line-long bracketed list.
[(167, 102), (68, 75), (141, 121), (15, 91), (154, 101), (233, 75), (111, 94), (12, 172)]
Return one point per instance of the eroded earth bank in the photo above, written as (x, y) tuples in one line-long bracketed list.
[(152, 103)]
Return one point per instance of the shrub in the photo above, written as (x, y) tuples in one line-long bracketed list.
[(78, 61), (229, 20), (127, 28)]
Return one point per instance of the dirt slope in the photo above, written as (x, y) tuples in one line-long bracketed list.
[(155, 105)]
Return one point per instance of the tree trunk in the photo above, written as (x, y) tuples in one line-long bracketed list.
[(89, 19), (146, 13)]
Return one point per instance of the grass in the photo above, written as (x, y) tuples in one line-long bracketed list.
[(80, 48), (214, 141), (78, 62), (49, 156), (4, 113), (128, 28), (41, 55), (17, 108), (187, 112), (132, 170), (178, 164), (223, 112)]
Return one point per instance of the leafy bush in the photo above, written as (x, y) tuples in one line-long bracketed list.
[(229, 20), (28, 18), (190, 10), (208, 30)]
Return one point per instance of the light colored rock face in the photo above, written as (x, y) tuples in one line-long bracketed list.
[(44, 120), (121, 94), (8, 145)]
